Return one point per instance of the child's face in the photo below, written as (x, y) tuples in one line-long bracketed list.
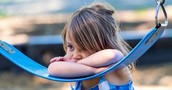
[(72, 51)]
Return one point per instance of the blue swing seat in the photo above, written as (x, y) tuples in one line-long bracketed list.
[(24, 62)]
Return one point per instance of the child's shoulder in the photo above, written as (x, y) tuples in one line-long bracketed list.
[(106, 84), (119, 77)]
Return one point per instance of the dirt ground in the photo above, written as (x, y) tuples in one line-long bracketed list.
[(157, 77)]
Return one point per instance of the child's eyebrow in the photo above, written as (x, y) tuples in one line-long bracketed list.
[(69, 43)]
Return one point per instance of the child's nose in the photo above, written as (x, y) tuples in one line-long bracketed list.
[(77, 56)]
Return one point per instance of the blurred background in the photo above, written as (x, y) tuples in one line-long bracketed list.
[(34, 27)]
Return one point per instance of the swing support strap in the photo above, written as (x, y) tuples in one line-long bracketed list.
[(159, 26), (6, 48), (160, 3)]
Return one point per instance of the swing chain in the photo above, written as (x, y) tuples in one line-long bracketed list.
[(160, 3)]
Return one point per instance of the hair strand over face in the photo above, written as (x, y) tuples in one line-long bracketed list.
[(94, 29)]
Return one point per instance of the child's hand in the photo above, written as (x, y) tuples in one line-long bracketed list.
[(56, 59)]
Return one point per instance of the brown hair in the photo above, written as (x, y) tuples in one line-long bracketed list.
[(93, 29)]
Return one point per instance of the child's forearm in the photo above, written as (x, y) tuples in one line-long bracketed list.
[(68, 69), (102, 58)]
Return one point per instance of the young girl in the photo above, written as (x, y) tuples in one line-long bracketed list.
[(92, 44)]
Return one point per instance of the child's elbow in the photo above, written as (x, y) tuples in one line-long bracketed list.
[(52, 70), (58, 69), (114, 55)]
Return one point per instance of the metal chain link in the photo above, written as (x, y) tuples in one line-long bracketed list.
[(160, 3)]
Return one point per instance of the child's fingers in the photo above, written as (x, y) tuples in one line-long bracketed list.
[(55, 59), (52, 60)]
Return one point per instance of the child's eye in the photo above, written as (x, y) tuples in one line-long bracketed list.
[(70, 47)]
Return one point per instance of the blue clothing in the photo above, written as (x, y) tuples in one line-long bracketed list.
[(105, 85)]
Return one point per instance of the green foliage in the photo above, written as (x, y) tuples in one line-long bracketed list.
[(2, 14), (140, 9), (5, 1)]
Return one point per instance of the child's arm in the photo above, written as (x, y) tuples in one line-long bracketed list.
[(69, 69), (102, 58), (90, 65)]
